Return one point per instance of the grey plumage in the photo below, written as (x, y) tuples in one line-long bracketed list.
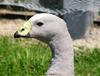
[(53, 31)]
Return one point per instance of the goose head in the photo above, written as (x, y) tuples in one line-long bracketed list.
[(42, 26)]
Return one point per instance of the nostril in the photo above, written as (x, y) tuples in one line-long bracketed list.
[(22, 29)]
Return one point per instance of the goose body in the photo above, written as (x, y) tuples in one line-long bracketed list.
[(53, 31)]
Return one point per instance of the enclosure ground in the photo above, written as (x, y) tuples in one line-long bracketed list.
[(90, 41)]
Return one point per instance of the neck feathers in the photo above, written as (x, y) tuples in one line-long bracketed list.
[(62, 60)]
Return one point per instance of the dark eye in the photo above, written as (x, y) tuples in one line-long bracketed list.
[(22, 29), (39, 23)]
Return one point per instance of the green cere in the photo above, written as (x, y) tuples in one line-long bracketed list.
[(24, 30)]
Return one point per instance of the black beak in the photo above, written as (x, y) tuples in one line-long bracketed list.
[(16, 35)]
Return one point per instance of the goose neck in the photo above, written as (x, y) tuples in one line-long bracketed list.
[(62, 56)]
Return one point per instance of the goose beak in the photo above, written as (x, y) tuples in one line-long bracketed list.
[(23, 31)]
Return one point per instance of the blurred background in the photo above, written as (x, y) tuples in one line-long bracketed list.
[(82, 16)]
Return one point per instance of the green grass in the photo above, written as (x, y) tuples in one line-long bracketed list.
[(22, 57), (87, 62)]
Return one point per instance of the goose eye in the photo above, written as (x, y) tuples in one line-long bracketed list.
[(22, 29), (39, 23)]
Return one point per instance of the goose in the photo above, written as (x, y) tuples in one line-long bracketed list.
[(53, 31)]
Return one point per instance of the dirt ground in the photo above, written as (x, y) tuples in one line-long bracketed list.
[(9, 26), (90, 41)]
